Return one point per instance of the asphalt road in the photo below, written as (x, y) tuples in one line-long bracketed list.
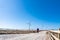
[(31, 36)]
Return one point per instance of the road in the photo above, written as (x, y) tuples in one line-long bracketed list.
[(31, 36)]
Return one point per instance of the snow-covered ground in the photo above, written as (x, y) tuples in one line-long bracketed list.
[(31, 36)]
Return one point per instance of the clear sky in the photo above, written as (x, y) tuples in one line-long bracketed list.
[(43, 14)]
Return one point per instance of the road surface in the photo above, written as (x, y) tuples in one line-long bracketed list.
[(31, 36)]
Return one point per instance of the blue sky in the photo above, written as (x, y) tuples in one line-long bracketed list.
[(43, 14)]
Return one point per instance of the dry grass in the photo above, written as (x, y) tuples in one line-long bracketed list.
[(16, 31)]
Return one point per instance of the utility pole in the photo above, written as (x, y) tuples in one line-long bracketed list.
[(29, 25)]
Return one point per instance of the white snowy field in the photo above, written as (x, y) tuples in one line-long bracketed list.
[(31, 36)]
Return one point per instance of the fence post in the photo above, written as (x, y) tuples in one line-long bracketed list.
[(59, 34)]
